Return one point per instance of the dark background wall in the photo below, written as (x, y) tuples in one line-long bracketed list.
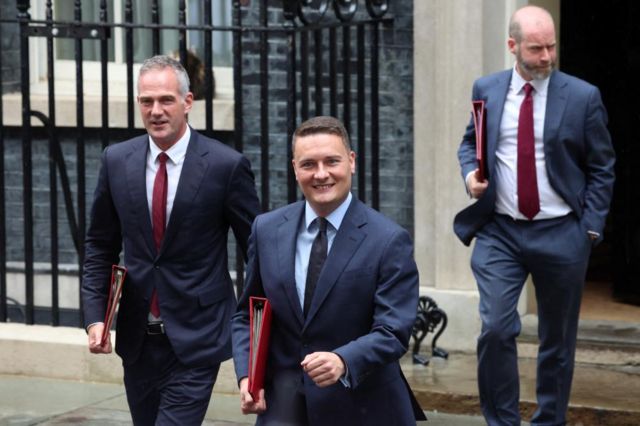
[(396, 109), (9, 45), (396, 132), (601, 44)]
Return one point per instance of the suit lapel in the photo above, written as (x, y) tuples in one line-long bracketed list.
[(191, 177), (557, 97), (136, 167), (286, 239), (495, 105), (346, 243)]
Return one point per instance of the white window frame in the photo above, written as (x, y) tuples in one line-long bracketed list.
[(65, 87)]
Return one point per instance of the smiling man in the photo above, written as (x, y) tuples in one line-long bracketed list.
[(168, 198), (343, 287)]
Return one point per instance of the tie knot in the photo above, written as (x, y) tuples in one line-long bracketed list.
[(322, 224), (528, 88), (163, 157)]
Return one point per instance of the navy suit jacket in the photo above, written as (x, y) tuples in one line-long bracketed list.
[(215, 191), (363, 309), (577, 146)]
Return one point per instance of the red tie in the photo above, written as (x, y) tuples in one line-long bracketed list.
[(528, 200), (159, 216)]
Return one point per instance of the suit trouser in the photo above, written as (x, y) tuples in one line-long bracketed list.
[(555, 252), (163, 391)]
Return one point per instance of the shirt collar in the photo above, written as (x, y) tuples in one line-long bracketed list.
[(334, 218), (176, 152), (517, 83)]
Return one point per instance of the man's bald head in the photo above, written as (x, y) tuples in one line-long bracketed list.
[(528, 19)]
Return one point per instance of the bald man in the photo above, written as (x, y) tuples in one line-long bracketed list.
[(538, 212)]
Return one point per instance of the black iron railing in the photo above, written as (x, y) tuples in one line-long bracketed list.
[(328, 51)]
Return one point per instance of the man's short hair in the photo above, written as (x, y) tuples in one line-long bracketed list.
[(160, 62), (324, 125)]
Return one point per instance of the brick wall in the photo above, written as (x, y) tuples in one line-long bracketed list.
[(396, 107), (396, 133), (9, 46)]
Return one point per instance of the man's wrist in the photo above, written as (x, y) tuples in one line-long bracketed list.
[(92, 324)]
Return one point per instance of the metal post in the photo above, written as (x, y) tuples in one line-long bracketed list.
[(27, 180)]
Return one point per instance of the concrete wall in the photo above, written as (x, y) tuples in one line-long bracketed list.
[(62, 353), (456, 42)]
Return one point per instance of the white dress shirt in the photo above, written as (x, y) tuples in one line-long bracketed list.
[(506, 173), (176, 155), (307, 233)]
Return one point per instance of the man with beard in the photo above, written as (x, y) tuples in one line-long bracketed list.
[(540, 209)]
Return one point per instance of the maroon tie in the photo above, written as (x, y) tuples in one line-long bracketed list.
[(528, 200), (159, 216)]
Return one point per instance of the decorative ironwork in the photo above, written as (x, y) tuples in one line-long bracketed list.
[(311, 12), (329, 50), (345, 9), (429, 317), (377, 8)]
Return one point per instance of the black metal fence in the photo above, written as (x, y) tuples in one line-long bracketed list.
[(328, 51)]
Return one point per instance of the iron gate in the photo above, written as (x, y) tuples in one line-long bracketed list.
[(290, 59)]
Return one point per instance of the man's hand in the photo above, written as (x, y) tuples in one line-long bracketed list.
[(247, 404), (95, 337), (475, 186), (324, 368)]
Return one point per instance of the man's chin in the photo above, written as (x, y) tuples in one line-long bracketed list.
[(540, 73)]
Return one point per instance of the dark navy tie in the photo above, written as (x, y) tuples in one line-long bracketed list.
[(316, 259)]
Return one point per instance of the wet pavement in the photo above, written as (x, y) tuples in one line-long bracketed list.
[(85, 389), (39, 401), (446, 389)]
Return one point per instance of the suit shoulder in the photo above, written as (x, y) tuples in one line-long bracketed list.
[(290, 211), (573, 81), (382, 223), (492, 79), (220, 148), (124, 147)]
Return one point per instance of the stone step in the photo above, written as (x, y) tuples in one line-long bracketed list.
[(601, 395), (612, 343)]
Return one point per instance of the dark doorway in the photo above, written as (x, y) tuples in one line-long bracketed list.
[(600, 42)]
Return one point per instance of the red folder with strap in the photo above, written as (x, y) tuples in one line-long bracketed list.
[(115, 291), (259, 331), (480, 124)]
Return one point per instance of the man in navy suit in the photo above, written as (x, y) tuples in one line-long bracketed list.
[(168, 198), (540, 218), (334, 350)]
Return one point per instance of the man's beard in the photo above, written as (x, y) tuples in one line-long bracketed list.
[(536, 72)]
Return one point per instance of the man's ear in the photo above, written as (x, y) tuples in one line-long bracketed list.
[(188, 102)]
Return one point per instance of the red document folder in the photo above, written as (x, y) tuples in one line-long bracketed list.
[(259, 330), (115, 291), (480, 124)]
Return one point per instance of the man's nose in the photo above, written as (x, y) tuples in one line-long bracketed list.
[(156, 108), (321, 172), (546, 55)]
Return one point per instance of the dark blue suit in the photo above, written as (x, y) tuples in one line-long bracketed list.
[(215, 191), (363, 309), (579, 164)]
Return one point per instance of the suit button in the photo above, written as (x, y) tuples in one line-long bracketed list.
[(156, 266)]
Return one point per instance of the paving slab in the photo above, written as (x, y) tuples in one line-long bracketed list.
[(31, 401)]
